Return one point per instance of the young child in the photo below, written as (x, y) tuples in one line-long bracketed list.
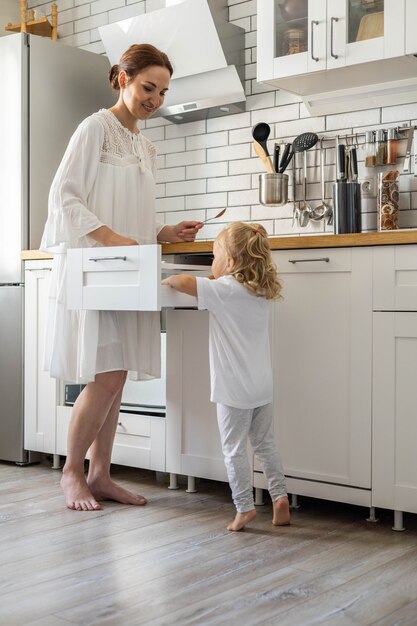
[(237, 297)]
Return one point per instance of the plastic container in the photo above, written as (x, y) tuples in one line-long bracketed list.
[(388, 200), (273, 189)]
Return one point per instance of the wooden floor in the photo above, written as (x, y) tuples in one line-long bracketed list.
[(173, 563)]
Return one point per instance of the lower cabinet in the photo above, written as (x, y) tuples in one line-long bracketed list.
[(193, 441), (40, 395), (321, 334), (394, 451)]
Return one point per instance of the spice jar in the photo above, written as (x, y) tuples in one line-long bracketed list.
[(369, 149), (388, 200), (294, 41), (380, 148), (392, 146)]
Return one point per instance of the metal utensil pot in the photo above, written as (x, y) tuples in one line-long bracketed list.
[(273, 189)]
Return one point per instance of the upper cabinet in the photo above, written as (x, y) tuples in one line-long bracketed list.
[(330, 51)]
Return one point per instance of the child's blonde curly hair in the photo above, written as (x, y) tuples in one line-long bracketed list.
[(248, 246)]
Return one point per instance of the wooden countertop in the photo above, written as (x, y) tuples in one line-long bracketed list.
[(395, 237)]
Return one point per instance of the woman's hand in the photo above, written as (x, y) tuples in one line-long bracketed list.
[(184, 231), (107, 237)]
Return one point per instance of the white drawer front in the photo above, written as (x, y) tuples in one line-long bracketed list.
[(124, 278), (395, 278), (320, 260)]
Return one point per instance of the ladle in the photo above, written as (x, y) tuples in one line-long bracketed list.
[(323, 210), (260, 133)]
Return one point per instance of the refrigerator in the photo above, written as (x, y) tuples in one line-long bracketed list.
[(47, 88)]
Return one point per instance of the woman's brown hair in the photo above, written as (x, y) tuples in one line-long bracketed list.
[(248, 247), (136, 59)]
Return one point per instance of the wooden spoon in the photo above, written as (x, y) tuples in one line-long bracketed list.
[(264, 158), (222, 212)]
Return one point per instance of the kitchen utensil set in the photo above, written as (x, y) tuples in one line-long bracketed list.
[(260, 134), (347, 192)]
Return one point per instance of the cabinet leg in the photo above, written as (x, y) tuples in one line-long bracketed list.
[(372, 515), (191, 485), (259, 496), (173, 483), (398, 521), (56, 462), (294, 501)]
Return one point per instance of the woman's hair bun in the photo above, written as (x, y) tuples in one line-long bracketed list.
[(114, 77)]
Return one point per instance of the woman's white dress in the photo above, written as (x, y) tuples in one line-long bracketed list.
[(106, 177)]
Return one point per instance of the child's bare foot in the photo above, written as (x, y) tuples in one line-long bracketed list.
[(241, 520), (104, 488), (281, 512), (78, 496)]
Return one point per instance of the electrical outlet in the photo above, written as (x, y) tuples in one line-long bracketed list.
[(368, 187)]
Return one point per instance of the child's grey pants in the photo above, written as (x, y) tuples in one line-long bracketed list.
[(236, 426)]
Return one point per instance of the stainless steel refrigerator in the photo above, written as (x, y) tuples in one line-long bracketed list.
[(46, 89)]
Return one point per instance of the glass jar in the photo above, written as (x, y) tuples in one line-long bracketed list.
[(380, 148), (392, 146), (369, 149), (388, 200), (294, 41)]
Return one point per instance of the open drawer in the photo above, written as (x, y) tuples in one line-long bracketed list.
[(124, 278)]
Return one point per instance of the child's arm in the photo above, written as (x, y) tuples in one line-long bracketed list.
[(182, 282)]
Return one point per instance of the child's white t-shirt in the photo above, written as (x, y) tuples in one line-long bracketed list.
[(240, 362)]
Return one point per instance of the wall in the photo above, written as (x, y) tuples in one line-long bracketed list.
[(205, 166)]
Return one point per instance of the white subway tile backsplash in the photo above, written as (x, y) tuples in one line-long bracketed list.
[(229, 183), (204, 166), (206, 170)]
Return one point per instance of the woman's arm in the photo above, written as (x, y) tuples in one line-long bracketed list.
[(182, 282)]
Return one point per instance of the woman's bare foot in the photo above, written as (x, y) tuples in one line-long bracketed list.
[(78, 496), (241, 520), (106, 489), (281, 512)]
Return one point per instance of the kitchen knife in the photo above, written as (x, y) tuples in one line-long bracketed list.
[(407, 160), (354, 161), (341, 162)]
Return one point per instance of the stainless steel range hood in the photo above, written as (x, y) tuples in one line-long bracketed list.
[(206, 51)]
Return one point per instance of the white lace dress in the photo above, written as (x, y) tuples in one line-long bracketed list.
[(106, 177)]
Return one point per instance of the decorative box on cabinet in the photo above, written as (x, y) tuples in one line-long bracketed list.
[(40, 396), (321, 335), (372, 71), (394, 424)]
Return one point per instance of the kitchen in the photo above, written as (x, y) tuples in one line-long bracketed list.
[(204, 166)]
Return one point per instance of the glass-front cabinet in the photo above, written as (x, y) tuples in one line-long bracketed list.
[(304, 36)]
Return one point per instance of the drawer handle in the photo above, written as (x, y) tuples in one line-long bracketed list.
[(108, 258), (294, 261)]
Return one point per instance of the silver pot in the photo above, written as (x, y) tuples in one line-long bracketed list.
[(273, 189)]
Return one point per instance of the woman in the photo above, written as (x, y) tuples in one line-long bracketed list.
[(104, 195)]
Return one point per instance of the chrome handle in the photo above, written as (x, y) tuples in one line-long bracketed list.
[(108, 258), (313, 23), (294, 261), (332, 20)]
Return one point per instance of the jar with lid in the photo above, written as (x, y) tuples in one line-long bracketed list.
[(380, 148), (388, 200), (294, 41), (369, 149), (392, 146)]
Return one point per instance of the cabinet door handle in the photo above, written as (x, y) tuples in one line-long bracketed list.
[(108, 258), (332, 21), (325, 259), (313, 23)]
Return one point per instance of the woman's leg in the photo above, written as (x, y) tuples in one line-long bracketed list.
[(89, 414), (98, 480), (261, 437), (234, 427)]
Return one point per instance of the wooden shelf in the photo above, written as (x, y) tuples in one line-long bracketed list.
[(41, 26)]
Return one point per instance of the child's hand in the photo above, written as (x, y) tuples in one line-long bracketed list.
[(165, 281)]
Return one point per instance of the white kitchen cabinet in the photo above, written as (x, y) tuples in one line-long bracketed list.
[(40, 395), (339, 35), (139, 440), (321, 335), (192, 437), (394, 439), (395, 278)]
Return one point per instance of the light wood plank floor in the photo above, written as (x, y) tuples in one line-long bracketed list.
[(172, 562)]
